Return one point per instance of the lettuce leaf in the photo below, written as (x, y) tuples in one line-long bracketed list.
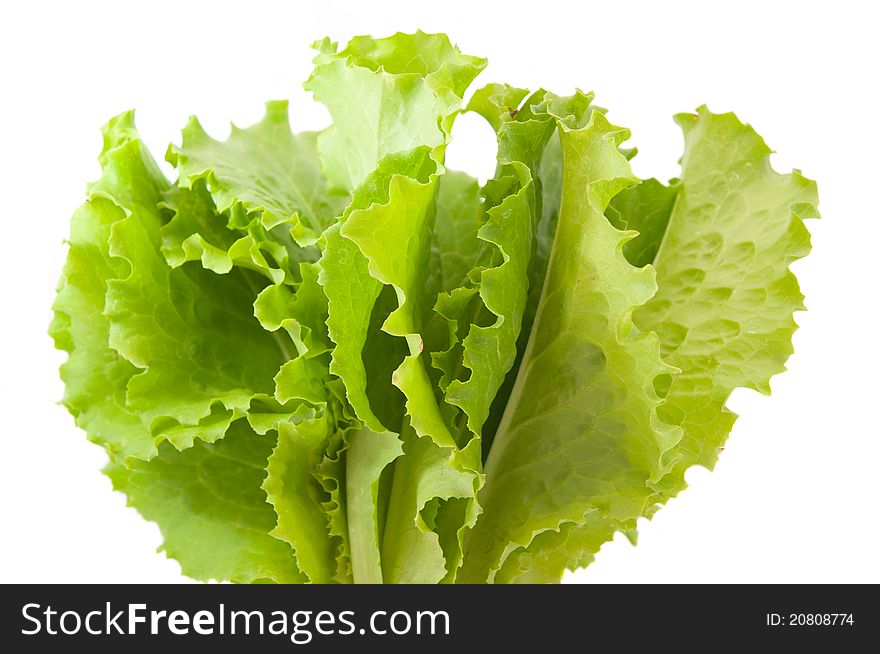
[(723, 311), (153, 349), (208, 503), (580, 432)]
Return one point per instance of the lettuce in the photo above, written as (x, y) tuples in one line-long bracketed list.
[(324, 357)]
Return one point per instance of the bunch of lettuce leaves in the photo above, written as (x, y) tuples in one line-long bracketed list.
[(324, 357)]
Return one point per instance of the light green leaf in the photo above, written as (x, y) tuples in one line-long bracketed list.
[(395, 203), (351, 293), (548, 185), (403, 84), (489, 351), (455, 246), (550, 177), (551, 552), (209, 505), (271, 173), (185, 328), (299, 310), (724, 307), (121, 308), (424, 476), (454, 252), (580, 432), (95, 376), (302, 379), (644, 208), (331, 474), (391, 220), (742, 280), (197, 232), (367, 457), (297, 497)]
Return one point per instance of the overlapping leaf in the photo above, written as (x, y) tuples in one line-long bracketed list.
[(152, 349), (723, 311), (580, 432), (208, 503)]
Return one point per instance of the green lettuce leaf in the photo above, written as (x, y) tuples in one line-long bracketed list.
[(209, 505), (296, 495), (426, 476), (369, 454), (330, 474), (95, 376), (455, 246), (723, 311), (488, 352), (270, 175), (156, 345), (580, 432), (644, 208), (300, 310), (403, 84), (184, 327)]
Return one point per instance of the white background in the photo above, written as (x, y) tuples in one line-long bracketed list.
[(794, 497)]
